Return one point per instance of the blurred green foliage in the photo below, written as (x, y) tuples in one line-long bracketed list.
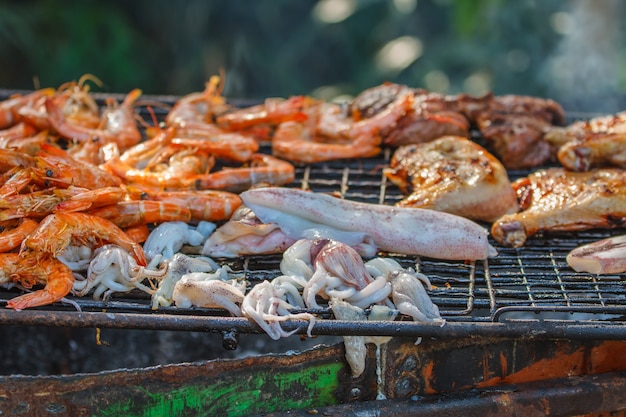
[(278, 48)]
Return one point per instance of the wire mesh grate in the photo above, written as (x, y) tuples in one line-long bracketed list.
[(519, 283)]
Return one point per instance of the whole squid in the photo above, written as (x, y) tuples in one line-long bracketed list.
[(301, 214)]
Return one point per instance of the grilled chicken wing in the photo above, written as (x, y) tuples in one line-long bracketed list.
[(583, 145), (433, 115), (514, 128), (455, 175), (560, 200)]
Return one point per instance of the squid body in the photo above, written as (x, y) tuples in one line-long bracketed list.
[(429, 233)]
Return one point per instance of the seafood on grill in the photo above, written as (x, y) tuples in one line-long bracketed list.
[(261, 120), (192, 114), (219, 289), (410, 297), (113, 270), (130, 213), (120, 126), (12, 108), (339, 271), (14, 232), (301, 214), (606, 256), (56, 231), (52, 167), (203, 205), (168, 238), (177, 267), (555, 199), (265, 304), (77, 257), (355, 346), (329, 135), (190, 171), (455, 175), (244, 234), (35, 269)]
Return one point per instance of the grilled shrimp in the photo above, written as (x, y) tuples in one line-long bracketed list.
[(88, 199), (15, 134), (139, 155), (262, 168), (9, 109), (119, 123), (14, 232), (231, 146), (170, 174), (273, 112), (14, 181), (37, 204), (193, 113), (54, 166), (207, 205), (316, 142), (57, 230), (134, 213), (34, 269)]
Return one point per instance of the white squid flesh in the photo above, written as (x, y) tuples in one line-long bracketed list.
[(301, 214), (606, 256)]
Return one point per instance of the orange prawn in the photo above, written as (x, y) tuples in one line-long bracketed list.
[(133, 213), (32, 270), (14, 180), (262, 168), (56, 231), (119, 123), (169, 174), (138, 233), (207, 205), (14, 232), (9, 109), (36, 204), (55, 166), (139, 155), (232, 146), (332, 136), (89, 199), (192, 114), (273, 111), (15, 133)]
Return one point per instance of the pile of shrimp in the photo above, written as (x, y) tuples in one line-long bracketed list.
[(305, 130), (76, 177)]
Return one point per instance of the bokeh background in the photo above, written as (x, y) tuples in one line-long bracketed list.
[(572, 51)]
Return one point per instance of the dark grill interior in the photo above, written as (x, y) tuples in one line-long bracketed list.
[(530, 284)]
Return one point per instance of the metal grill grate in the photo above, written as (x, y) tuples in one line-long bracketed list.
[(532, 285)]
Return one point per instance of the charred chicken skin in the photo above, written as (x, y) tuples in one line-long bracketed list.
[(514, 127), (556, 199), (583, 145), (454, 175)]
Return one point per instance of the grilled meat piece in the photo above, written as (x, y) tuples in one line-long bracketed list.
[(434, 115), (579, 130), (583, 145), (455, 175), (556, 199), (514, 128)]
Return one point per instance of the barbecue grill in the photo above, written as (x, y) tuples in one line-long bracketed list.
[(521, 327)]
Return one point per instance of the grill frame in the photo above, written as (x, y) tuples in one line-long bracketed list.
[(524, 292)]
